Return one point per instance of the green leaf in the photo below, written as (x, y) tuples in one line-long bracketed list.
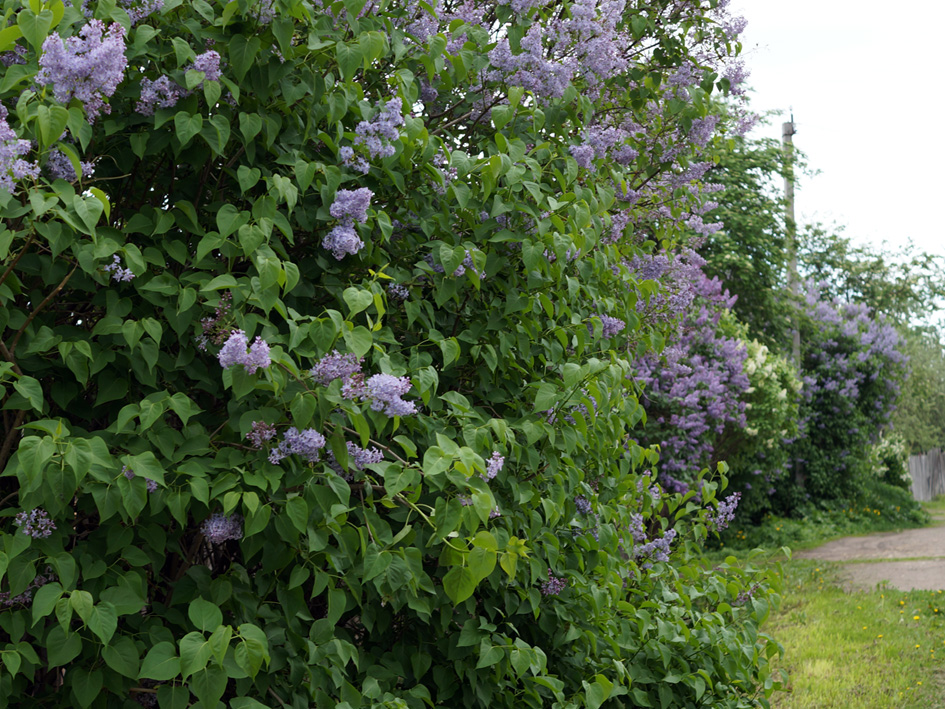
[(195, 652), (122, 657), (349, 58), (358, 299), (209, 685), (81, 602), (61, 649), (297, 510), (161, 663), (35, 27), (359, 340), (459, 584), (204, 614), (86, 685), (186, 126), (44, 602), (546, 397), (31, 390), (103, 621)]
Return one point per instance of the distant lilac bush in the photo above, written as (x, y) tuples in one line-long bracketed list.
[(852, 370)]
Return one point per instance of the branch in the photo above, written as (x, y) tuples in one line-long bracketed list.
[(62, 283)]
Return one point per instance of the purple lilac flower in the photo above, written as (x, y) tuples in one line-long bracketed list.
[(263, 11), (306, 444), (725, 513), (24, 598), (219, 528), (554, 585), (209, 64), (118, 273), (234, 352), (12, 165), (139, 9), (162, 93), (35, 523), (16, 56), (583, 505), (396, 291), (342, 240), (464, 500), (385, 392), (494, 465), (87, 67), (354, 387), (59, 167), (335, 366), (361, 457), (260, 433), (351, 204), (378, 135)]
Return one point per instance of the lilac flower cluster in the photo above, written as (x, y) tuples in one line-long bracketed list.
[(235, 352), (161, 93), (612, 326), (554, 585), (216, 329), (494, 465), (151, 485), (652, 550), (164, 92), (139, 9), (583, 505), (358, 458), (349, 206), (17, 55), (335, 366), (26, 596), (35, 523), (219, 528), (87, 67), (306, 444), (378, 135), (260, 433), (118, 273), (385, 392), (59, 167), (396, 291), (12, 165), (725, 513)]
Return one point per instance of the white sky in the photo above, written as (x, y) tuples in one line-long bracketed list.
[(864, 80)]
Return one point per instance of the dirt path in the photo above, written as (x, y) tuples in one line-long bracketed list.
[(913, 559)]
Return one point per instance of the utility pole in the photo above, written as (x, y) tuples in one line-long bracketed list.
[(790, 226)]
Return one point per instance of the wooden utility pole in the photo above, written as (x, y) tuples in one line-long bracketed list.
[(790, 227)]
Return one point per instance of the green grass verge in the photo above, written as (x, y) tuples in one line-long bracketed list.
[(866, 650)]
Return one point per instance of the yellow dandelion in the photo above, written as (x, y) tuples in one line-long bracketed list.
[(917, 646), (880, 635), (915, 617)]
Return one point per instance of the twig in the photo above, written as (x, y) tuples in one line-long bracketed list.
[(62, 283)]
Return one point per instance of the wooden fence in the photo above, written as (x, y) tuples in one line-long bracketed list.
[(928, 475)]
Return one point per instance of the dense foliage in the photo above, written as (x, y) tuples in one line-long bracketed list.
[(318, 329)]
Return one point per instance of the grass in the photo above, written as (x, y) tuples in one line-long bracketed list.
[(865, 650)]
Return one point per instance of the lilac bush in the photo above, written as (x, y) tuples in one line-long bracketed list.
[(853, 368)]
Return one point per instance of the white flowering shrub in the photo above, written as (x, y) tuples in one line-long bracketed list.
[(316, 327)]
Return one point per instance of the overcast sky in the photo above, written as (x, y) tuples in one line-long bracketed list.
[(865, 84)]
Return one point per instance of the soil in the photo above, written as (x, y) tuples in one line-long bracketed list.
[(912, 559)]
